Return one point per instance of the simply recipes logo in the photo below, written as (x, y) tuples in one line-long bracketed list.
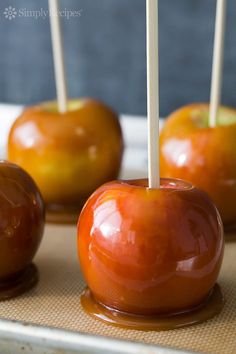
[(11, 12)]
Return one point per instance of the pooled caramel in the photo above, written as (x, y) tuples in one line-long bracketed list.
[(211, 307)]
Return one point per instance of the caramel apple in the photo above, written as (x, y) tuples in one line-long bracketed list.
[(150, 251), (68, 155), (205, 156), (21, 230)]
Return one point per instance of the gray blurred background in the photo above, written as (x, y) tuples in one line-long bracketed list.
[(105, 52)]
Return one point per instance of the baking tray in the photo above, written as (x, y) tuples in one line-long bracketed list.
[(25, 338), (49, 319)]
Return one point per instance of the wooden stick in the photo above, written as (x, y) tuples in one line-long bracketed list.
[(217, 66), (59, 66), (153, 93)]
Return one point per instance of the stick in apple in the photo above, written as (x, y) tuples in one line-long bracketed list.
[(217, 61), (58, 56), (153, 93)]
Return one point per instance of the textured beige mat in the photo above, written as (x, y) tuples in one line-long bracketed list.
[(55, 301)]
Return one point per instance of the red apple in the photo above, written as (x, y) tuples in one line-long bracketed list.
[(21, 223), (205, 156), (68, 155), (150, 251)]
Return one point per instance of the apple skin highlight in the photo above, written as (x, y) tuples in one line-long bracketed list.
[(204, 156), (150, 251)]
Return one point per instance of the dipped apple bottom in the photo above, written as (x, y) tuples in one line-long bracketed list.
[(21, 230), (68, 155), (151, 257)]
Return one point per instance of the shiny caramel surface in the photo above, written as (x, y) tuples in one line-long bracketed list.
[(205, 156), (150, 251), (68, 155), (21, 221)]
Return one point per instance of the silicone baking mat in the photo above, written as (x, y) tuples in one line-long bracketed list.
[(55, 302)]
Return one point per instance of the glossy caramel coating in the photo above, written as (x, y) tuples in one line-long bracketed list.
[(21, 221), (150, 251), (205, 156), (68, 155)]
